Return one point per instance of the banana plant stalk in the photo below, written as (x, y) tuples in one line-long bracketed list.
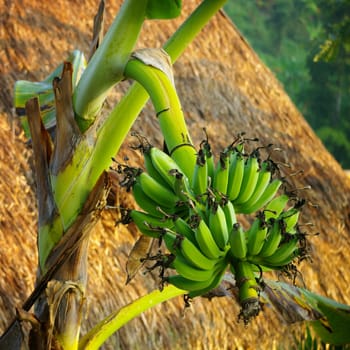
[(93, 153), (103, 330), (70, 176), (66, 291), (167, 106), (107, 65), (292, 304)]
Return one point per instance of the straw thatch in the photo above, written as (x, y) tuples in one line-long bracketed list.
[(224, 86)]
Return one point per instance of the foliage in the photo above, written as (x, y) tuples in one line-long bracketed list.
[(335, 139), (306, 44)]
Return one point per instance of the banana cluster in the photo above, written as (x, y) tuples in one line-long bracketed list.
[(273, 238), (196, 219), (161, 190), (272, 242), (244, 179)]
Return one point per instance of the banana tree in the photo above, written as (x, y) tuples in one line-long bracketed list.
[(189, 202), (72, 183)]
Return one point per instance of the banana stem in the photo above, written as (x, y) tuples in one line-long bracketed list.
[(169, 112), (246, 281), (191, 27), (248, 290), (106, 67), (102, 331)]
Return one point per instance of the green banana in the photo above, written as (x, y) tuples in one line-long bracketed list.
[(236, 174), (248, 290), (283, 255), (256, 236), (290, 218), (276, 206), (181, 186), (245, 277), (263, 182), (221, 173), (273, 239), (206, 241), (172, 241), (150, 225), (218, 226), (265, 198), (184, 229), (157, 192), (230, 215), (238, 242), (183, 283), (163, 163), (250, 179), (213, 282), (200, 174), (177, 243), (195, 256), (197, 288), (151, 169), (183, 268), (146, 203)]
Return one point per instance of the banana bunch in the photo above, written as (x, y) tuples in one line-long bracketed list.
[(196, 272), (200, 247), (245, 180), (195, 236), (160, 191), (272, 240), (195, 218), (272, 244)]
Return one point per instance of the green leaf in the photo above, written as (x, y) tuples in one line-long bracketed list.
[(338, 317), (329, 319), (25, 90), (163, 9)]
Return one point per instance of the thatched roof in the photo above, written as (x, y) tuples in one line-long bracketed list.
[(222, 85)]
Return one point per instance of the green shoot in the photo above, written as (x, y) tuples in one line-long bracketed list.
[(103, 330)]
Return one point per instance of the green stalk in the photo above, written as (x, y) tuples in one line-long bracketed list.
[(107, 64), (191, 27), (102, 331), (248, 290), (169, 112)]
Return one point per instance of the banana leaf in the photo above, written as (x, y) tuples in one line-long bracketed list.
[(25, 90), (329, 319)]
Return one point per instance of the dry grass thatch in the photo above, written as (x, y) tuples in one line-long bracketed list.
[(224, 86)]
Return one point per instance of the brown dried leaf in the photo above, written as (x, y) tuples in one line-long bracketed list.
[(97, 34), (137, 256), (156, 58)]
